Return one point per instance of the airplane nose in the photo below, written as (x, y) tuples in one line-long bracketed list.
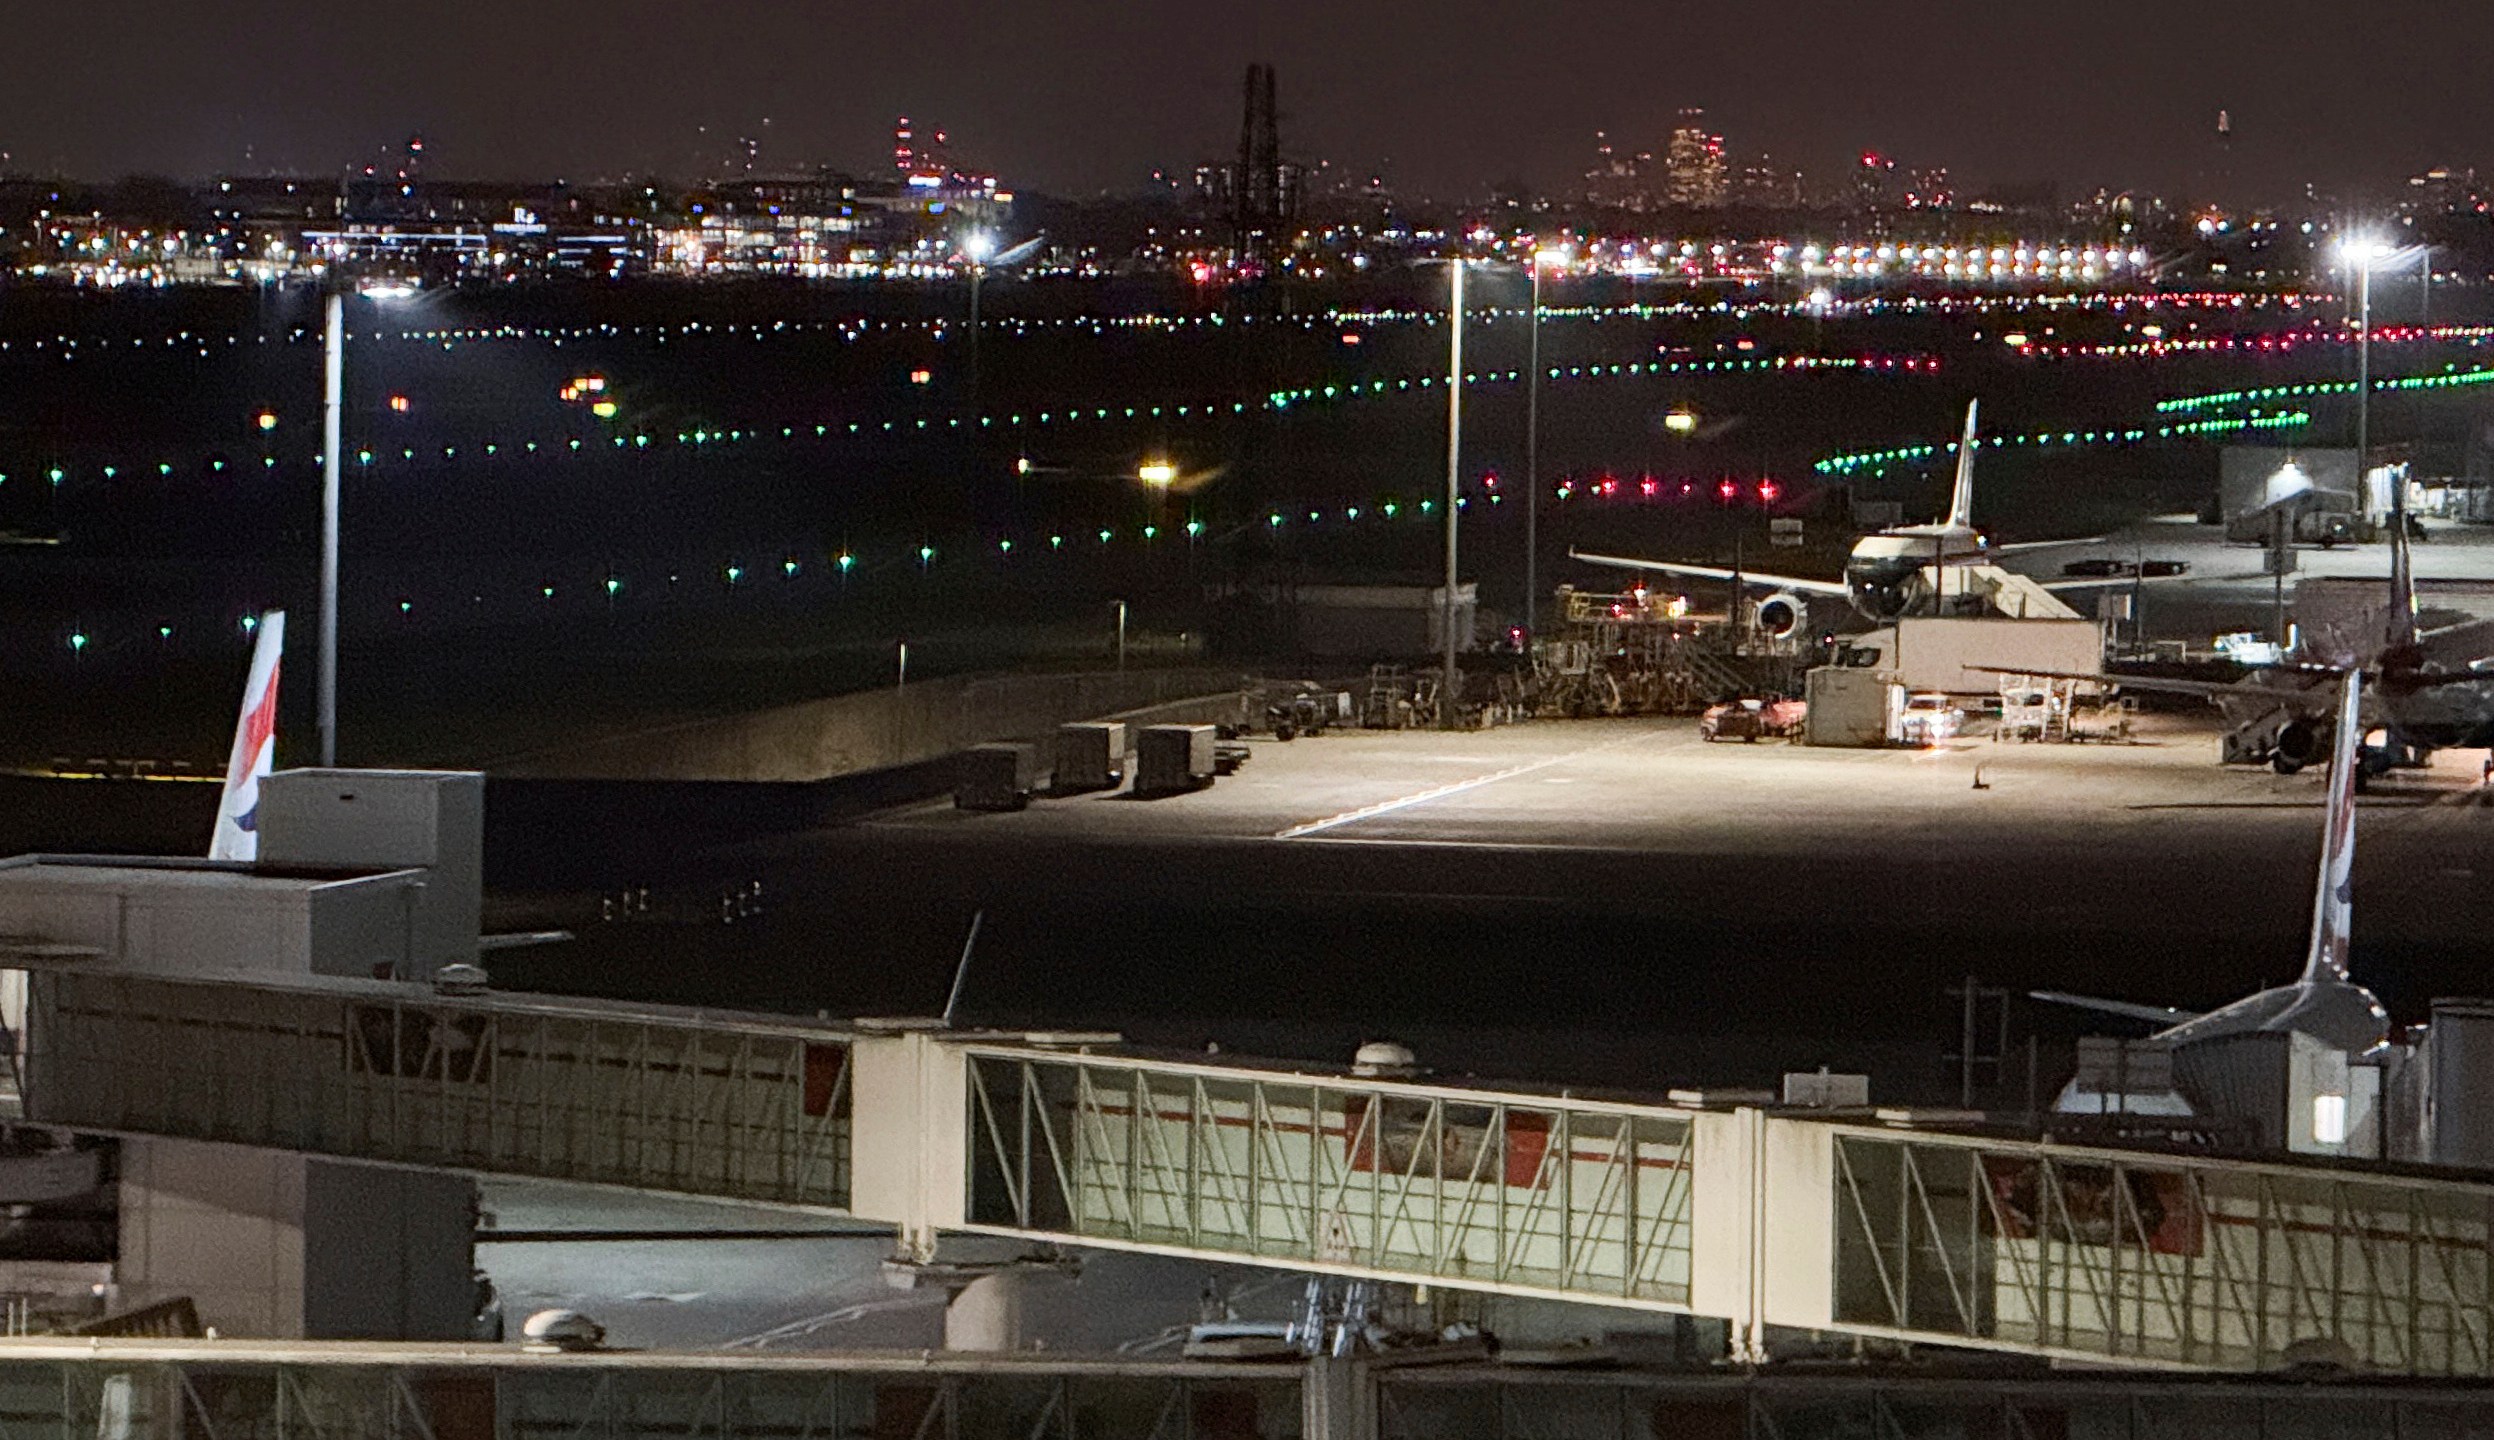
[(1878, 596)]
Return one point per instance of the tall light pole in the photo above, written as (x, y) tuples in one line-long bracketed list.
[(332, 439), (975, 249), (2364, 252), (332, 456), (1558, 255), (1447, 698)]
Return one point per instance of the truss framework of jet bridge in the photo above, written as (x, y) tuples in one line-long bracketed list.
[(1863, 1222)]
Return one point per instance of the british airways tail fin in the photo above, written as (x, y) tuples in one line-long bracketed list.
[(255, 748), (2332, 908), (1961, 501)]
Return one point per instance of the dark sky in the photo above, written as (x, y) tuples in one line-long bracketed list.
[(1074, 95)]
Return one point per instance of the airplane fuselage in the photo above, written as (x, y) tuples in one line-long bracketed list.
[(2422, 718), (1886, 575)]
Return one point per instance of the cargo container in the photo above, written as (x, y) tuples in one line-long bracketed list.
[(1172, 758), (1001, 776)]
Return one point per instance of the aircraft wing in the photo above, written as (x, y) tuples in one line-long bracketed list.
[(2459, 643), (2101, 582), (2153, 1014), (1834, 588), (518, 939), (2318, 701), (2022, 545)]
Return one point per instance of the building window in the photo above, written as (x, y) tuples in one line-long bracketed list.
[(2329, 1119)]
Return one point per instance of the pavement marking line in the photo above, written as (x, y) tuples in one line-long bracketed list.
[(1391, 842), (1384, 807)]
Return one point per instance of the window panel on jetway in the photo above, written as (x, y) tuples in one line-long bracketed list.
[(1400, 1180), (2217, 1263), (662, 1101)]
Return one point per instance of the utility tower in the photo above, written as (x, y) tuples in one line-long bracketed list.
[(1256, 206)]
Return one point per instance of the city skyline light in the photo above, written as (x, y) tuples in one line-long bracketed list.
[(1090, 98)]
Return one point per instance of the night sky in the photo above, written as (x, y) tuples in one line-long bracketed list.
[(1076, 95)]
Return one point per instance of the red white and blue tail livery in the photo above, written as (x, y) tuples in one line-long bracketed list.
[(2324, 1003), (2332, 905), (255, 748)]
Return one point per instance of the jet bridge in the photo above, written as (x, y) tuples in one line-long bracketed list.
[(1852, 1222)]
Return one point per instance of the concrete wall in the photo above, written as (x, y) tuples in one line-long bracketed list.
[(276, 1246), (183, 917), (220, 1224), (880, 729), (389, 1254), (389, 819)]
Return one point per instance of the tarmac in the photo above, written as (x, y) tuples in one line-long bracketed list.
[(1607, 902), (1651, 786), (1611, 901)]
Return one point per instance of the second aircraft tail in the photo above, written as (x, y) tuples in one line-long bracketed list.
[(255, 748)]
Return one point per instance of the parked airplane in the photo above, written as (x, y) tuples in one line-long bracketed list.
[(255, 748), (2432, 689), (2324, 1002), (1897, 571)]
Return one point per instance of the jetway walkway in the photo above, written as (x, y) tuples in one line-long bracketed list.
[(741, 1107), (1855, 1223)]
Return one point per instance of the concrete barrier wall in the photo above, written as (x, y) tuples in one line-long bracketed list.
[(881, 729)]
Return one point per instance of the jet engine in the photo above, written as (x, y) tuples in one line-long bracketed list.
[(2298, 743), (1781, 614)]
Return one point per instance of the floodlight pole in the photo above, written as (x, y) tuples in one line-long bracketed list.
[(1448, 706), (1532, 468), (332, 426), (2364, 378), (978, 273)]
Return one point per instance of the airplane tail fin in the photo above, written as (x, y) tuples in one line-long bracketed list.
[(255, 748), (1961, 501), (2332, 907)]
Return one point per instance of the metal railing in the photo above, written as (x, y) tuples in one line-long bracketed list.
[(1417, 1404), (2162, 1260), (663, 1100), (1402, 1181), (228, 1390), (484, 1393)]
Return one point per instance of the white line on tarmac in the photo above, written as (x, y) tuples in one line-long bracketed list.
[(1367, 812), (1396, 842)]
